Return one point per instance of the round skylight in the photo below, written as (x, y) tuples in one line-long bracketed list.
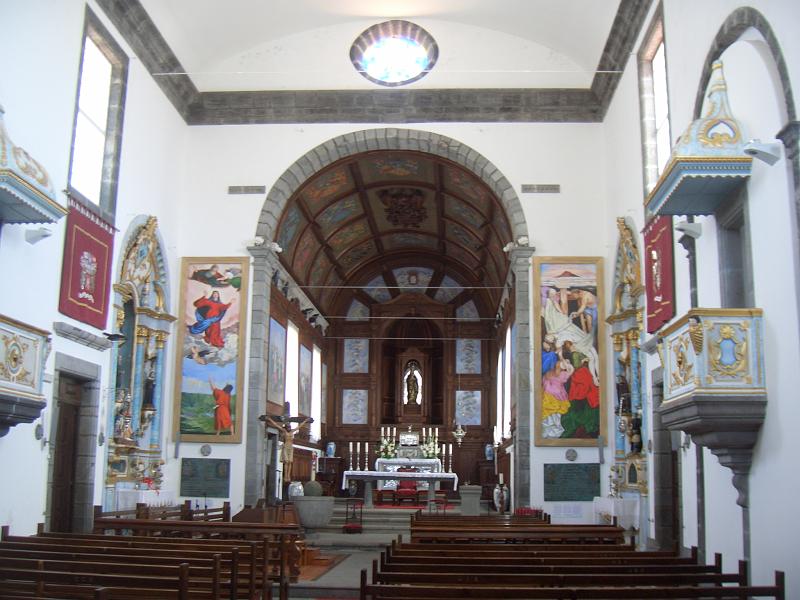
[(394, 53)]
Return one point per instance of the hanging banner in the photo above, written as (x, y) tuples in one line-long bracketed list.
[(659, 272), (86, 270)]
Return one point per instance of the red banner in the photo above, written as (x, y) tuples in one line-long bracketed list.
[(86, 272), (659, 272)]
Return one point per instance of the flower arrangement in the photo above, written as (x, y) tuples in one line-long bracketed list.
[(387, 448), (430, 448)]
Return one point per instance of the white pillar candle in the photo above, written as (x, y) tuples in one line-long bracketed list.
[(351, 447), (450, 449), (501, 479), (358, 447), (366, 450)]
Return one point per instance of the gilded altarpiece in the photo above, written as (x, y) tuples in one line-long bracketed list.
[(629, 472), (134, 406)]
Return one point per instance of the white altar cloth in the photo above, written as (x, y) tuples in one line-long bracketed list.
[(423, 465), (368, 477)]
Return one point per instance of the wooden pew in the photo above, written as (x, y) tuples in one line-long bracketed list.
[(518, 533), (378, 591), (245, 563)]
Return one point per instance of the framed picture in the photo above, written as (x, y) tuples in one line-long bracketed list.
[(276, 385), (210, 360), (568, 351)]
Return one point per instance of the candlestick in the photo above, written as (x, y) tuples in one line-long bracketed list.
[(450, 468), (366, 456), (350, 455)]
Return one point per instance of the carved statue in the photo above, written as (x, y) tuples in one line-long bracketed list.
[(412, 384), (287, 437)]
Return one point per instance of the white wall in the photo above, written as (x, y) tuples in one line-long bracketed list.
[(757, 102)]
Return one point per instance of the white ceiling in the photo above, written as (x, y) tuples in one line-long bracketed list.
[(305, 44)]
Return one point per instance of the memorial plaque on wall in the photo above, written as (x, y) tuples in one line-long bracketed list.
[(205, 477), (571, 483)]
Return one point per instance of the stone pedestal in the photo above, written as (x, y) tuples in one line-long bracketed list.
[(470, 499), (313, 512)]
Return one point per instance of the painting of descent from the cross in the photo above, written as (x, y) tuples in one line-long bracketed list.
[(210, 358), (568, 351)]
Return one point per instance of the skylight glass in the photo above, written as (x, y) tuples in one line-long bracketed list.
[(394, 53)]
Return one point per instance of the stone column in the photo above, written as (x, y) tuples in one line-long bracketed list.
[(522, 366), (255, 463)]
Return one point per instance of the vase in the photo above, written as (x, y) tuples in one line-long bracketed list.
[(295, 489), (496, 498), (330, 449), (488, 452)]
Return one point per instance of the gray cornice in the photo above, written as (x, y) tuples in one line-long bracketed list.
[(625, 30), (378, 106)]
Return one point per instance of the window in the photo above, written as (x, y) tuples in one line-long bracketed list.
[(498, 426), (394, 53), (293, 369), (654, 104), (509, 357), (97, 131), (316, 395)]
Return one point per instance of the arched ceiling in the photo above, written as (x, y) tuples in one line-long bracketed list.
[(380, 223), (256, 45)]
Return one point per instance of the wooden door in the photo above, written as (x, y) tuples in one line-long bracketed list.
[(65, 455)]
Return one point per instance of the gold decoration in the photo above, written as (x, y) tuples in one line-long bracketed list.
[(684, 369), (161, 339), (696, 334), (738, 349), (142, 333)]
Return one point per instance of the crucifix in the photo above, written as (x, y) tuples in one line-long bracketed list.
[(283, 424)]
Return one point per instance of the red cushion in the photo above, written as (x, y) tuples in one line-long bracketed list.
[(406, 484)]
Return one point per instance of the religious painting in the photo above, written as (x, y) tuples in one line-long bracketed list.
[(325, 187), (448, 289), (354, 407), (377, 290), (86, 270), (210, 358), (356, 355), (568, 367), (287, 231), (304, 383), (467, 312), (468, 356), (358, 311), (468, 407), (338, 213), (276, 382), (413, 279)]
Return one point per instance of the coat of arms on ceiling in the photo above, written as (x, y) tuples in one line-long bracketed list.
[(404, 206)]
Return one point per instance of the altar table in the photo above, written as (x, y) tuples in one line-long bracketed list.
[(423, 465), (368, 477)]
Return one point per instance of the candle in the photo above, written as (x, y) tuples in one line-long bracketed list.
[(501, 479), (351, 447), (382, 432), (366, 449), (358, 447), (450, 449)]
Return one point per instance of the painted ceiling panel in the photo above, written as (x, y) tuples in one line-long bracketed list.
[(413, 279), (401, 166), (337, 213), (348, 236), (325, 187)]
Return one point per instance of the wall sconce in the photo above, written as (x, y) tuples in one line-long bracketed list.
[(459, 434)]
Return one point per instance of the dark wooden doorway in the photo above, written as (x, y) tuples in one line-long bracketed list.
[(65, 454)]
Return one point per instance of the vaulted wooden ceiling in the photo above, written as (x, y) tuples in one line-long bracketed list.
[(372, 226)]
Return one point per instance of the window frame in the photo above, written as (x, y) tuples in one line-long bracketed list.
[(653, 39), (107, 202)]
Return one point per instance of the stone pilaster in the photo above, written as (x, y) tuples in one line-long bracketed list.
[(522, 366)]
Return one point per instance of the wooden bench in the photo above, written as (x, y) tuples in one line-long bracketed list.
[(378, 591), (244, 562), (181, 512), (518, 533)]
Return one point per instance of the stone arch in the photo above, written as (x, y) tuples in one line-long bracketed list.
[(367, 140), (730, 31), (264, 261)]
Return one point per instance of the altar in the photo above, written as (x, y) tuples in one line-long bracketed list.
[(369, 477), (392, 465)]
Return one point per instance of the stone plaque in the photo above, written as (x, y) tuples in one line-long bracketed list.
[(571, 482), (205, 477)]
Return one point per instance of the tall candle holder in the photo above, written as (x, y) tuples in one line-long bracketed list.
[(450, 465)]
